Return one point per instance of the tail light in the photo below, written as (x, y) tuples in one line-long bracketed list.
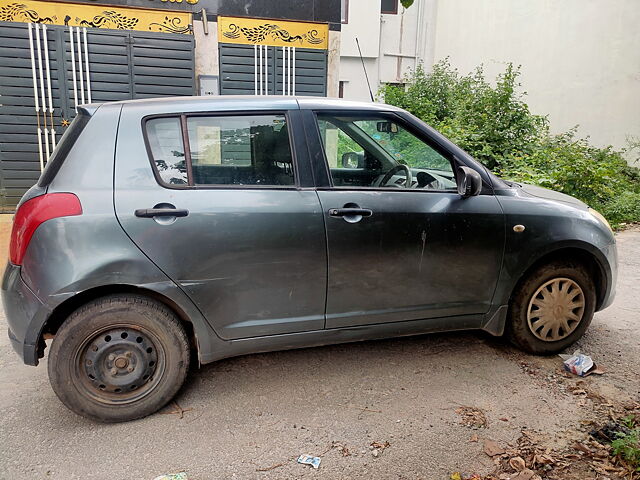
[(33, 213)]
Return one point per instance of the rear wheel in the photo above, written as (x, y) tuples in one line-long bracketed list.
[(119, 358), (551, 308)]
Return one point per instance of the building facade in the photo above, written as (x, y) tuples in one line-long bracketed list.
[(56, 55), (381, 42)]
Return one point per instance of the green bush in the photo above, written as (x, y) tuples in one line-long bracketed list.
[(494, 124), (626, 446)]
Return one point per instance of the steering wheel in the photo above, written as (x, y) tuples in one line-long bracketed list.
[(393, 171)]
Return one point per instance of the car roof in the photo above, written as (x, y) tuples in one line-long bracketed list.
[(248, 102)]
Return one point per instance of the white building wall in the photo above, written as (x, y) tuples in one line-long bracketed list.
[(580, 58)]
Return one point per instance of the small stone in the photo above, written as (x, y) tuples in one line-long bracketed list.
[(375, 453)]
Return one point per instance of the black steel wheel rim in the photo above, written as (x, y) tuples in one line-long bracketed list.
[(119, 364)]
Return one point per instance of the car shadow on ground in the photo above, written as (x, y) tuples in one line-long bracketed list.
[(350, 361)]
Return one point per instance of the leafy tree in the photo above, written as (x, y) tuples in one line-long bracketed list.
[(494, 124)]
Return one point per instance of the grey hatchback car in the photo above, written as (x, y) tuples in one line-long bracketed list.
[(170, 231)]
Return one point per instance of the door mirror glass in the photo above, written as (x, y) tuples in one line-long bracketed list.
[(387, 127), (469, 182), (352, 160)]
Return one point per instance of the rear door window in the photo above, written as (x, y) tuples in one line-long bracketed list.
[(240, 150), (219, 150)]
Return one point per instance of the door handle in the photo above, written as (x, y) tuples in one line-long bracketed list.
[(350, 212), (161, 212)]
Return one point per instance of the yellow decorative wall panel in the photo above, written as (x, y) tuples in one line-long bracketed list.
[(277, 33), (94, 16)]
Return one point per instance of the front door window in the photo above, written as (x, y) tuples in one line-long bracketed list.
[(376, 152)]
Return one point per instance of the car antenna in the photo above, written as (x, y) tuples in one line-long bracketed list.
[(365, 70)]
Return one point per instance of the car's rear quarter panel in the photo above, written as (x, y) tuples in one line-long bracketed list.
[(72, 255)]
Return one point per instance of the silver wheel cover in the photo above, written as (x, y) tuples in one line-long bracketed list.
[(555, 309)]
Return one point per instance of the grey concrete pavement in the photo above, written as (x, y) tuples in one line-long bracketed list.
[(261, 411)]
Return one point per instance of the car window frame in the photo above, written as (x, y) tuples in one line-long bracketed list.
[(404, 124), (183, 117)]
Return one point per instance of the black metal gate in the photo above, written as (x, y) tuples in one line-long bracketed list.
[(108, 65), (265, 70)]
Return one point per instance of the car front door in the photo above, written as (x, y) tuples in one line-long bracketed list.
[(398, 250), (216, 201)]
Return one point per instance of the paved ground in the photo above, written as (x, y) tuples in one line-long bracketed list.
[(262, 411)]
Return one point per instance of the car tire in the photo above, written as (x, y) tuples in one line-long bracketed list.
[(552, 292), (119, 358)]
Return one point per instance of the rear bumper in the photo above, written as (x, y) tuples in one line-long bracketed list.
[(25, 314)]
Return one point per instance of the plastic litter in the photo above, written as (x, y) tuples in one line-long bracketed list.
[(579, 364), (309, 460), (173, 476)]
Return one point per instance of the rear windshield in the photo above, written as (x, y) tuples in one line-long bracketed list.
[(64, 147)]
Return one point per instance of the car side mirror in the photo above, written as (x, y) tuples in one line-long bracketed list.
[(469, 182), (352, 160)]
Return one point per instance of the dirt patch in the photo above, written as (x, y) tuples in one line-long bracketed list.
[(472, 417)]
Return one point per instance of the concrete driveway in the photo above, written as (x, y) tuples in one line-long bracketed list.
[(250, 417)]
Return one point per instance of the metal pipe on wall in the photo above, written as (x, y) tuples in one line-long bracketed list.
[(284, 70), (80, 65), (35, 95), (46, 60), (255, 69), (260, 77), (288, 70), (43, 104), (73, 69), (86, 63), (293, 70), (266, 70)]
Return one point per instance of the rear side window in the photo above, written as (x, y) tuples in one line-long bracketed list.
[(167, 149), (240, 150)]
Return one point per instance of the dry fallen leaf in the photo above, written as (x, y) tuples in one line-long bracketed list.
[(582, 448), (542, 459), (517, 463), (524, 475), (492, 448)]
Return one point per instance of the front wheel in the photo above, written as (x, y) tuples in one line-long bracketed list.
[(119, 358), (551, 308)]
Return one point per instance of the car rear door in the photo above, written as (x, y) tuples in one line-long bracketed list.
[(218, 201), (398, 253)]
